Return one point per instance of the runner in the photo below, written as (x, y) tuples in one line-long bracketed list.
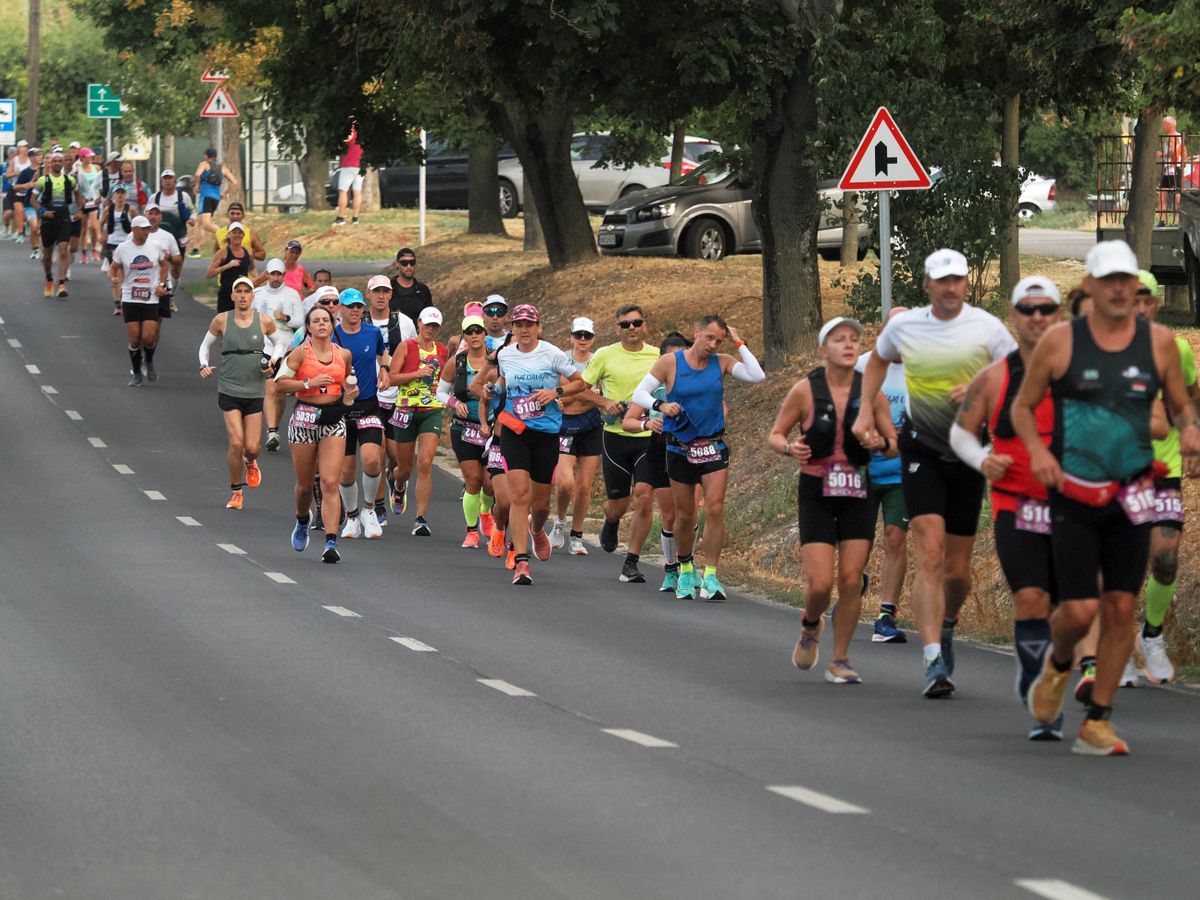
[(283, 306), (580, 445), (88, 178), (58, 197), (410, 296), (943, 346), (416, 423), (834, 507), (294, 275), (319, 373), (24, 204), (495, 320), (176, 206), (1020, 505), (328, 300), (349, 176), (171, 250), (139, 277), (115, 228), (211, 177), (228, 264), (321, 278), (237, 213), (110, 177), (138, 192), (1105, 371), (364, 428), (396, 328), (243, 372), (694, 423)]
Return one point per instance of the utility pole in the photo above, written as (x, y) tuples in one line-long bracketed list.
[(32, 65)]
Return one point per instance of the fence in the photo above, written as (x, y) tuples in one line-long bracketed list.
[(1175, 172)]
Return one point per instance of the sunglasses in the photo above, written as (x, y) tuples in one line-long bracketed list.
[(632, 323), (327, 303), (1145, 292), (496, 312), (474, 329), (406, 262), (582, 335), (1046, 309)]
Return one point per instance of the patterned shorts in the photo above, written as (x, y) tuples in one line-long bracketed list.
[(303, 430)]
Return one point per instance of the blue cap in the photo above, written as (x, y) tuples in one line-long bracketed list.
[(351, 297)]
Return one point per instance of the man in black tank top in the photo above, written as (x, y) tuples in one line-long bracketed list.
[(1104, 371)]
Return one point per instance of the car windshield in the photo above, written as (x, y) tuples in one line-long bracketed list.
[(708, 172)]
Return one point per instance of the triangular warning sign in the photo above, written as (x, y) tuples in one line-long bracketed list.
[(884, 161), (219, 104)]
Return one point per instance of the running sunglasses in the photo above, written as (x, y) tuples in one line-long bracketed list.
[(406, 262), (327, 302), (632, 323), (496, 312), (1046, 309), (474, 329), (582, 335)]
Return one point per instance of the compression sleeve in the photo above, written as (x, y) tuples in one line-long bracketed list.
[(279, 344), (444, 391), (643, 395), (748, 370), (205, 347), (968, 448)]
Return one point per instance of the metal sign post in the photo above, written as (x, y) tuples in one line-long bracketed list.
[(421, 192), (885, 252)]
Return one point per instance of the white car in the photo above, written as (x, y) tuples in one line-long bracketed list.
[(1037, 196), (601, 185)]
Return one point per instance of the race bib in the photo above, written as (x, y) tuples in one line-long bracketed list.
[(703, 451), (843, 480), (471, 435), (141, 294), (401, 418), (367, 422), (1138, 500), (90, 205), (304, 416), (527, 408), (565, 442), (496, 458), (1168, 504), (1033, 516)]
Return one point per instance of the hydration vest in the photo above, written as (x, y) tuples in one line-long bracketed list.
[(821, 436), (47, 187), (184, 212), (124, 219)]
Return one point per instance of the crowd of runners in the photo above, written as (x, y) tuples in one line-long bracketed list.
[(1078, 431)]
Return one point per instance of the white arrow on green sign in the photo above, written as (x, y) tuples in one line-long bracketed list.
[(102, 103)]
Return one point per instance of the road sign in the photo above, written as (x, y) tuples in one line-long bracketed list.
[(884, 161), (8, 119), (102, 103), (212, 77), (220, 105)]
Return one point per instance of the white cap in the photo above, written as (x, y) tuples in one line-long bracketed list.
[(139, 222), (378, 281), (115, 156), (833, 323), (74, 145), (942, 263), (495, 298), (275, 265), (235, 226), (151, 205), (327, 290), (583, 323), (429, 316), (1035, 286), (167, 173), (1111, 258), (22, 143)]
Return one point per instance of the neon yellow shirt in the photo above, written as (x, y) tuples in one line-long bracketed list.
[(619, 372), (1167, 450), (222, 236)]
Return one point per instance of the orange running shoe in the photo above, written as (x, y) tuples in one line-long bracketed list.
[(235, 501), (471, 541), (487, 524), (496, 544), (511, 559), (253, 474)]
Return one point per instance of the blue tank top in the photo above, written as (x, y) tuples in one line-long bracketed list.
[(700, 393)]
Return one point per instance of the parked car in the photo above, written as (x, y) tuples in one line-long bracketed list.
[(292, 198), (601, 186), (1037, 196), (707, 215)]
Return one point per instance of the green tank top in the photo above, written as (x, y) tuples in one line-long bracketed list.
[(1102, 406), (241, 359)]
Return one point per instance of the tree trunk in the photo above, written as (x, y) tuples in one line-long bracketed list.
[(1010, 158), (542, 139), (787, 212), (1143, 196), (483, 186), (849, 254), (677, 141), (169, 152), (33, 62), (314, 171), (535, 240), (372, 201)]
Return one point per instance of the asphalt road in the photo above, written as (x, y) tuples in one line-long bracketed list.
[(195, 710), (1061, 244)]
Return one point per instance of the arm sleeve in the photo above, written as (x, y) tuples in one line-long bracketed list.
[(206, 346), (643, 394), (296, 314), (279, 344), (748, 370), (445, 392), (968, 448)]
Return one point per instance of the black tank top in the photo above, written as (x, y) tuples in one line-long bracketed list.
[(228, 277)]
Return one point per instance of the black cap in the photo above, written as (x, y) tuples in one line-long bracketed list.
[(211, 152), (406, 251)]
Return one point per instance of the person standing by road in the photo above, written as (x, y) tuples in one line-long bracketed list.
[(214, 179), (139, 277), (349, 176), (944, 344), (1173, 156), (228, 264), (410, 296)]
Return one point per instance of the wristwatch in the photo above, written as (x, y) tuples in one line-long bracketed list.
[(558, 390), (655, 405), (306, 384)]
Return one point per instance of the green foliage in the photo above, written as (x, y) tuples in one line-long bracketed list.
[(1165, 39), (1065, 149)]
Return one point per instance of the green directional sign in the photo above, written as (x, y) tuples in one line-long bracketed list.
[(102, 103)]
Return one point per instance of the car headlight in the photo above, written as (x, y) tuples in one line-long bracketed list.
[(657, 211)]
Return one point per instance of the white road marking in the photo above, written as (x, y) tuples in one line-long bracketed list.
[(123, 469), (638, 737), (815, 799), (414, 645), (14, 343), (33, 370), (343, 612), (97, 443), (232, 548), (279, 578), (1054, 889), (1, 321), (73, 415), (49, 389), (188, 520), (155, 495), (504, 687)]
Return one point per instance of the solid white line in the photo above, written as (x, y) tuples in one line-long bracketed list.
[(279, 578), (188, 520), (504, 687), (1054, 889), (49, 389), (232, 548), (123, 469), (343, 612), (96, 442), (33, 370), (638, 737), (815, 799), (414, 645), (14, 343), (154, 495), (73, 415)]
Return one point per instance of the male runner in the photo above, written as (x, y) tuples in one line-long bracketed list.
[(139, 273), (58, 196), (211, 179), (173, 253), (283, 306), (396, 328), (176, 206)]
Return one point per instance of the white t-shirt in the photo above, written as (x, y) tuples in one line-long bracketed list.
[(269, 300), (408, 331), (170, 247), (527, 373), (140, 270)]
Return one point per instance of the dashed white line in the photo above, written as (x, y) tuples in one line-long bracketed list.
[(122, 468), (1, 321), (188, 520), (279, 578), (97, 443), (232, 548), (816, 799), (49, 389), (14, 343), (504, 687), (73, 415), (33, 370), (414, 645), (638, 737), (1054, 889), (155, 495), (343, 612)]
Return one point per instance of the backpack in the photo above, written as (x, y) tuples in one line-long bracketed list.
[(184, 212), (213, 176)]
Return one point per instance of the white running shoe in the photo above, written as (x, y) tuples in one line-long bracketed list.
[(371, 528), (1129, 678), (558, 534), (353, 527), (1158, 668), (104, 266), (577, 548)]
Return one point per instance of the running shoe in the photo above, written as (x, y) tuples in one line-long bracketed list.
[(353, 527), (354, 221), (300, 536), (1047, 731), (151, 372), (471, 541), (381, 513), (331, 554), (630, 573), (48, 290), (487, 524), (510, 558), (496, 543), (318, 524), (104, 266), (886, 631), (712, 590), (194, 253), (576, 547), (339, 222), (1083, 690), (685, 587), (670, 581), (68, 273), (96, 256), (370, 525), (608, 536), (1097, 738), (235, 501), (839, 672), (521, 573), (937, 679), (62, 289), (421, 528), (253, 474), (541, 543), (1045, 700), (19, 239), (558, 534), (399, 499), (272, 441), (948, 649), (136, 380), (1158, 668), (807, 650), (117, 309), (1129, 678)]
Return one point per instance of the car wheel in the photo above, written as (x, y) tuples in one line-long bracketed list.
[(508, 200), (706, 239), (630, 189), (1191, 271), (1027, 211)]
